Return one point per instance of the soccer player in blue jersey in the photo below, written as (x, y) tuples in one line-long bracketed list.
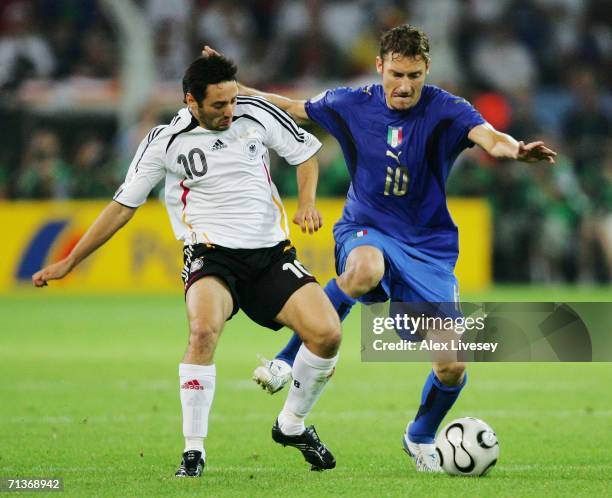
[(396, 239)]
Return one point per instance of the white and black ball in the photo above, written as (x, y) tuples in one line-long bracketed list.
[(467, 447)]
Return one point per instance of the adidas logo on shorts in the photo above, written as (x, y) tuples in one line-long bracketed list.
[(218, 145)]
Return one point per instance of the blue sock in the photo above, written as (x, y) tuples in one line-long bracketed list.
[(289, 352), (436, 400), (341, 302)]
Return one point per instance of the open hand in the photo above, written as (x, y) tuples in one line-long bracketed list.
[(534, 152)]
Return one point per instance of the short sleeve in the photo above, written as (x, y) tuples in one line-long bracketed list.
[(288, 140), (464, 117), (324, 108), (145, 171)]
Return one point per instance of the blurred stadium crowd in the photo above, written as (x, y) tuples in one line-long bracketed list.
[(538, 69)]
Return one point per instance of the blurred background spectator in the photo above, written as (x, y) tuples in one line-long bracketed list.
[(24, 51), (43, 173), (538, 69)]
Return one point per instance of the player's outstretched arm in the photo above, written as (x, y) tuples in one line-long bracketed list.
[(503, 146), (296, 108), (308, 216), (110, 220)]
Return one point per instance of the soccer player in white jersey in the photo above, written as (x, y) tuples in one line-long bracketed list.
[(223, 205)]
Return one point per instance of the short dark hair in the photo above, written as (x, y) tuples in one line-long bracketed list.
[(406, 41), (206, 71)]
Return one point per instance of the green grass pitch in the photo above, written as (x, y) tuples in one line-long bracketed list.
[(89, 393)]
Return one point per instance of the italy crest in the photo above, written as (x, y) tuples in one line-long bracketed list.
[(394, 136)]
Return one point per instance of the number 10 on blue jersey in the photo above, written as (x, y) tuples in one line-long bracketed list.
[(398, 178)]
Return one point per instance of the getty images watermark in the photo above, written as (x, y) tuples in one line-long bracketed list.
[(416, 327), (486, 332)]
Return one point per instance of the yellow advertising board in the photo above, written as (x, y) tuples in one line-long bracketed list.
[(145, 257)]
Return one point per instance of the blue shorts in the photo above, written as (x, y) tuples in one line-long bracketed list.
[(410, 275)]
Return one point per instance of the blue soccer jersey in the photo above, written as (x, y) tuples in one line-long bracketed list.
[(399, 161)]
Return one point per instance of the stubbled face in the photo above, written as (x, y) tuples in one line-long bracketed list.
[(402, 79), (217, 109)]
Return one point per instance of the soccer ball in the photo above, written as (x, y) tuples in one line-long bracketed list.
[(467, 447)]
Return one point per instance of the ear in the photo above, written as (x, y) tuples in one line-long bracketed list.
[(190, 101), (427, 65), (379, 65)]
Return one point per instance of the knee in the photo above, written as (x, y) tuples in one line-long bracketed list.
[(365, 272), (333, 336), (450, 374), (202, 334), (327, 336)]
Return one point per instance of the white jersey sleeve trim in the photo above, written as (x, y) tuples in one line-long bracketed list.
[(146, 170)]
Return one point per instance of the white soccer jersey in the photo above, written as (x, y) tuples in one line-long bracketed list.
[(218, 185)]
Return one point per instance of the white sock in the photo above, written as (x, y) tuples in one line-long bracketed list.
[(197, 387), (310, 375)]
